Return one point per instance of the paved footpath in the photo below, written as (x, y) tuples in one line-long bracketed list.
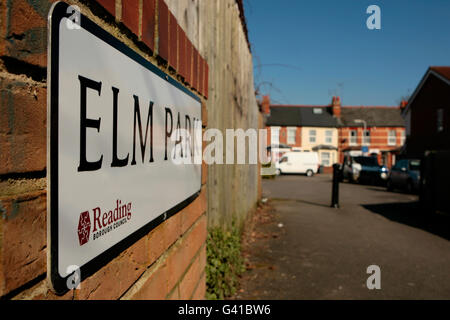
[(312, 251)]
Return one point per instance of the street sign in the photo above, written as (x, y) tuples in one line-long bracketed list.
[(365, 149), (123, 146)]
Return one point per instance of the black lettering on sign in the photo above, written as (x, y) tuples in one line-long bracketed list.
[(116, 161), (168, 133), (189, 138), (143, 140), (178, 138), (85, 123)]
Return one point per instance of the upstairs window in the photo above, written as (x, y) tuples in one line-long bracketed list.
[(366, 138), (291, 135), (312, 136), (392, 138), (353, 137), (328, 136)]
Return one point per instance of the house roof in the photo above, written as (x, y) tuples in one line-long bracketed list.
[(310, 116), (374, 116), (441, 72), (301, 116)]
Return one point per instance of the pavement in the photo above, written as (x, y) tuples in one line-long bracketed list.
[(301, 248)]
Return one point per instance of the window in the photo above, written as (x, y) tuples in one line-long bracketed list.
[(325, 159), (366, 137), (440, 120), (312, 136), (392, 138), (291, 135), (353, 138), (317, 110), (274, 135), (328, 136)]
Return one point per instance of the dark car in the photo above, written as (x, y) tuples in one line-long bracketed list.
[(364, 169), (405, 175)]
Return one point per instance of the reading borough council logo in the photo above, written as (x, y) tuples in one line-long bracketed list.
[(84, 228)]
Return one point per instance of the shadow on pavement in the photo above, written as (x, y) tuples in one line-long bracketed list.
[(395, 191), (302, 201), (409, 213)]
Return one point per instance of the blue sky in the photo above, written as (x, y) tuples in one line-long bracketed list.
[(304, 52)]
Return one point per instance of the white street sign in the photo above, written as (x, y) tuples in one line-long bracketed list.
[(115, 125)]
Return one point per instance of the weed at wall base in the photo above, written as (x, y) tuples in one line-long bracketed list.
[(224, 262)]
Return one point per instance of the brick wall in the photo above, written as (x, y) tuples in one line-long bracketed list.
[(168, 262)]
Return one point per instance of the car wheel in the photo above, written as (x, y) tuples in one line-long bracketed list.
[(278, 172), (309, 173), (389, 185)]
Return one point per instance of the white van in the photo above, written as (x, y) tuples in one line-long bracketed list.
[(299, 162)]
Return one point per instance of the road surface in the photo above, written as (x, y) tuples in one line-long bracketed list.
[(312, 251)]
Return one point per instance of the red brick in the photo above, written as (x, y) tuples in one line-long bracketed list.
[(193, 211), (200, 291), (109, 5), (163, 27), (156, 243), (26, 30), (190, 280), (115, 278), (202, 76), (3, 26), (172, 229), (182, 52), (204, 115), (41, 291), (206, 86), (173, 41), (149, 23), (181, 255), (23, 134), (130, 15), (175, 295), (204, 173), (155, 287), (189, 51), (23, 237), (195, 75)]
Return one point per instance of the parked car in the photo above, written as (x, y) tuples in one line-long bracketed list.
[(364, 169), (299, 162), (405, 175)]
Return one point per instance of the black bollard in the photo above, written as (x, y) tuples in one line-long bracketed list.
[(335, 187)]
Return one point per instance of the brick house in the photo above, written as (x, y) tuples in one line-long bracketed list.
[(428, 136), (333, 130), (427, 113), (306, 128), (384, 134)]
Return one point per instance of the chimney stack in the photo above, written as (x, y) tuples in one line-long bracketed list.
[(403, 104), (336, 104), (265, 105)]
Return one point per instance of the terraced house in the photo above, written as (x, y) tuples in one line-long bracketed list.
[(335, 130)]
